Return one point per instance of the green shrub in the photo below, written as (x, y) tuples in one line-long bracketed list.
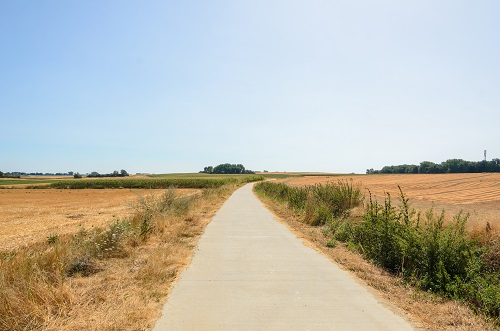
[(434, 256), (319, 203)]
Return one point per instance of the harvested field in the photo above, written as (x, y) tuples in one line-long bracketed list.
[(477, 194), (28, 216)]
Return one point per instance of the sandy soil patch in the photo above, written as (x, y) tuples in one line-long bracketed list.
[(28, 216)]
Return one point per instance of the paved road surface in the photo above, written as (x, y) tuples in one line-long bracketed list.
[(251, 273)]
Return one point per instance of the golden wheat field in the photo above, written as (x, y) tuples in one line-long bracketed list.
[(477, 194), (28, 216)]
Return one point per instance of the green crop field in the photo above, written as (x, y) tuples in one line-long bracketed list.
[(151, 183), (24, 181), (198, 176)]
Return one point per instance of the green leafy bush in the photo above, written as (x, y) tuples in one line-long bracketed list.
[(436, 257)]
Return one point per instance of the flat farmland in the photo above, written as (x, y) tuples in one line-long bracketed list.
[(28, 216), (477, 194)]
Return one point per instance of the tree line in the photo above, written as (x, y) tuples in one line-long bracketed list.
[(122, 173), (227, 168), (9, 175), (18, 174), (448, 166)]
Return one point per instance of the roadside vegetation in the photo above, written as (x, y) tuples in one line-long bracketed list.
[(319, 203), (110, 278), (423, 250), (149, 183)]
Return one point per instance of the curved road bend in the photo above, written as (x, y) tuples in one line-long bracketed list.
[(251, 273)]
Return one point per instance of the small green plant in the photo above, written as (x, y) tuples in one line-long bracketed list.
[(146, 229), (83, 266), (52, 239), (110, 243), (331, 243)]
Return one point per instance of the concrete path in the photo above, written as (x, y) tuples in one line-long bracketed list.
[(251, 273)]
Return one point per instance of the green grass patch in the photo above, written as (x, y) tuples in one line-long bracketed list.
[(24, 181)]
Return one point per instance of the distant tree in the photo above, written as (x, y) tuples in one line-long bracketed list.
[(495, 165), (208, 170), (77, 175), (482, 166), (1, 174), (123, 173), (427, 167), (12, 175), (227, 168)]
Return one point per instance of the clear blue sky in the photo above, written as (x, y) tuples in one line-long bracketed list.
[(173, 86)]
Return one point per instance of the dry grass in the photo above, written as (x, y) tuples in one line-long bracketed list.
[(125, 291), (424, 310), (29, 216)]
